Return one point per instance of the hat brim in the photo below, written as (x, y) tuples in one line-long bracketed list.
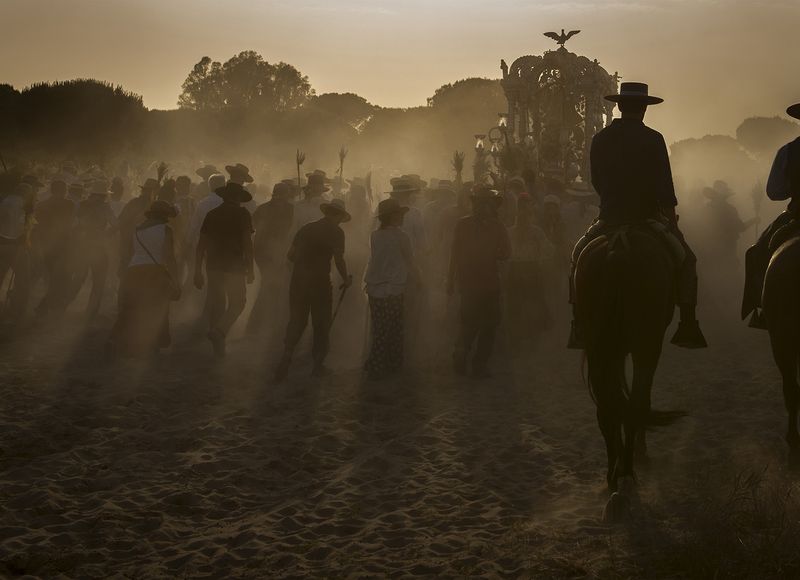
[(401, 210), (407, 190), (242, 196), (794, 111), (646, 99), (233, 170), (327, 208)]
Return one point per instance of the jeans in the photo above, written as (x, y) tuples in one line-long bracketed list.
[(314, 298)]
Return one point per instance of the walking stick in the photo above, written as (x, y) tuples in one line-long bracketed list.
[(300, 158), (343, 288)]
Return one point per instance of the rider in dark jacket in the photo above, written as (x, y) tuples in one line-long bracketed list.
[(632, 175), (783, 184)]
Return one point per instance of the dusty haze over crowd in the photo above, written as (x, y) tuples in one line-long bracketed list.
[(716, 61)]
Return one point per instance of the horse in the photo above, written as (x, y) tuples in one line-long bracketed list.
[(624, 303), (781, 308)]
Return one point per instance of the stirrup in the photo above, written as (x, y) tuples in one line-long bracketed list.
[(757, 320)]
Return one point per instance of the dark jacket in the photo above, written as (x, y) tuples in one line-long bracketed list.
[(631, 172)]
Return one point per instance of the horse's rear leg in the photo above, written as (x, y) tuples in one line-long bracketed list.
[(612, 434), (638, 412), (784, 349)]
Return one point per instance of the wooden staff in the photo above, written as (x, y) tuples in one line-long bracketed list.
[(342, 156), (300, 158)]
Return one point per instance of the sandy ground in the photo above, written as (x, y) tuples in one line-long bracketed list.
[(189, 467)]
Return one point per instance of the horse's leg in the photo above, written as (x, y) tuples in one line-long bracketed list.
[(610, 428), (645, 361), (784, 349)]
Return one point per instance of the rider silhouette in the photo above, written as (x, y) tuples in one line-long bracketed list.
[(783, 184), (631, 173)]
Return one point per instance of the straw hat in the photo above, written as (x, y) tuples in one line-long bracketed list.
[(234, 192), (390, 206), (239, 171)]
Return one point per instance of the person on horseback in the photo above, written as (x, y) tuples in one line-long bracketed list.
[(783, 184), (632, 175)]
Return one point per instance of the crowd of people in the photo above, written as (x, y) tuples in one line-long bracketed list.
[(506, 250), (204, 240)]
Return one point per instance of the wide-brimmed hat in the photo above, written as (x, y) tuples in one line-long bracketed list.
[(403, 185), (794, 111), (390, 206), (720, 190), (335, 206), (206, 171), (316, 183), (320, 173), (234, 192), (161, 209), (634, 92), (281, 190), (485, 193), (416, 180), (150, 184), (239, 171)]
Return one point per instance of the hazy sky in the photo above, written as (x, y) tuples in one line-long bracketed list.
[(714, 61)]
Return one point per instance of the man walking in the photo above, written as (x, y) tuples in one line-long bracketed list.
[(226, 246), (313, 248), (273, 222), (480, 243)]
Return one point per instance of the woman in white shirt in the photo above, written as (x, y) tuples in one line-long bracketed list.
[(147, 286), (390, 269)]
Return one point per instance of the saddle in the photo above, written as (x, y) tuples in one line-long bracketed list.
[(784, 234), (618, 233)]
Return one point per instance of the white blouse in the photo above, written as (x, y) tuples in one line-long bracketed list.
[(387, 270)]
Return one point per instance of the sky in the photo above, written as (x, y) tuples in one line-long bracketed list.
[(715, 62)]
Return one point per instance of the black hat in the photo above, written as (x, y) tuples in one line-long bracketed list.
[(234, 192), (486, 193), (794, 111), (281, 190), (161, 209), (316, 183), (390, 206), (634, 92), (239, 171), (335, 206)]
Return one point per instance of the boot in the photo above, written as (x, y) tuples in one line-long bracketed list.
[(757, 320), (574, 342), (689, 334)]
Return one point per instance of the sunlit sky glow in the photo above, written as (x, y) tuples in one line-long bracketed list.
[(714, 61)]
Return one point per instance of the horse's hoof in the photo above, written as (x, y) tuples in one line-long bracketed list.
[(618, 509)]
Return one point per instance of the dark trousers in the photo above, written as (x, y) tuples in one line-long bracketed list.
[(226, 299), (312, 298), (480, 315), (265, 297), (94, 262)]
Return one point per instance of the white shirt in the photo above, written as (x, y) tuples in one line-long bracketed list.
[(387, 270), (12, 217), (414, 226), (154, 238)]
